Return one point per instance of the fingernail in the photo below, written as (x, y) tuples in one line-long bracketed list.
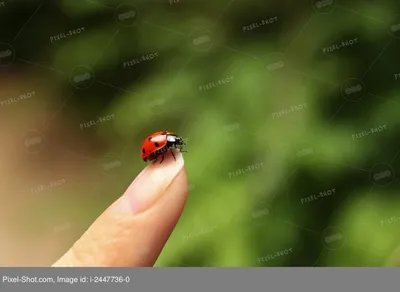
[(150, 184)]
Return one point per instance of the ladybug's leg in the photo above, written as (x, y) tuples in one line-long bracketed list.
[(182, 150), (172, 152), (162, 158), (154, 158)]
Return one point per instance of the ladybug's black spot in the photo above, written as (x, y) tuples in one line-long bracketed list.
[(164, 133), (149, 139), (156, 144), (144, 151)]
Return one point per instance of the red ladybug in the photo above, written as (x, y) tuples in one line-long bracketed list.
[(159, 143)]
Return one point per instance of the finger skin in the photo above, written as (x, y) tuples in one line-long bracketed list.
[(134, 237)]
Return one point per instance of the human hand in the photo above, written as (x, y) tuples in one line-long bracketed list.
[(133, 230)]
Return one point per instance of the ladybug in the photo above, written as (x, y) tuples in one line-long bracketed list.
[(159, 143)]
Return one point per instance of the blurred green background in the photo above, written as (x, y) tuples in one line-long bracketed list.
[(290, 109)]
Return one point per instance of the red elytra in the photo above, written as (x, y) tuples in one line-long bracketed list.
[(159, 143)]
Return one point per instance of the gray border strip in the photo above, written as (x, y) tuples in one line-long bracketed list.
[(206, 279)]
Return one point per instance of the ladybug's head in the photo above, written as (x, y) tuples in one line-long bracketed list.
[(175, 140)]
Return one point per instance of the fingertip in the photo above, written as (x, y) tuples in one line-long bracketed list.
[(147, 188)]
